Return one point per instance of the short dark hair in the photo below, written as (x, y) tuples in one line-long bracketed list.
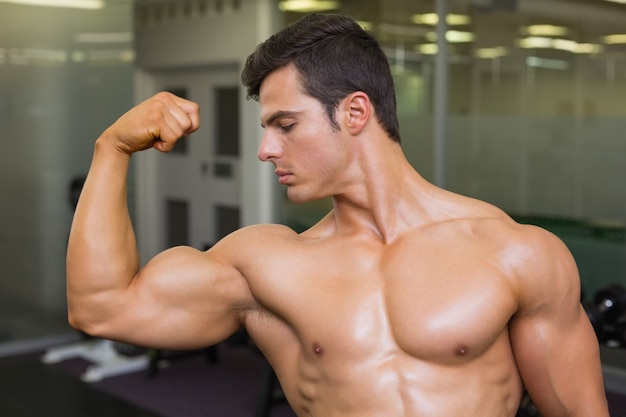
[(334, 57)]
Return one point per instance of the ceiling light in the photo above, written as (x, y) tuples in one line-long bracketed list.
[(534, 42), (432, 19), (456, 36), (453, 36), (491, 53), (539, 42), (588, 48), (614, 39), (307, 6), (618, 1), (564, 45), (427, 49), (544, 30), (76, 4)]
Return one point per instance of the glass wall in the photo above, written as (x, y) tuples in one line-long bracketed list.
[(535, 115), (65, 74)]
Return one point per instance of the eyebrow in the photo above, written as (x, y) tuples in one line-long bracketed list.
[(277, 115)]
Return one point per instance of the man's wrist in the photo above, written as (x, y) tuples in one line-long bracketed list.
[(106, 145)]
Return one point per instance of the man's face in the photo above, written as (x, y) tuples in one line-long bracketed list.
[(309, 156)]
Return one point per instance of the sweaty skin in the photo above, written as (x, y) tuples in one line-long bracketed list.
[(404, 300)]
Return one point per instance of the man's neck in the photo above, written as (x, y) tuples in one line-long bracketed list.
[(387, 199)]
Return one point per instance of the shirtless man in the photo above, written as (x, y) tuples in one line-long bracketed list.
[(405, 300)]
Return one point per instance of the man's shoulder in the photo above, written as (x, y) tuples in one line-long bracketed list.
[(526, 240), (491, 222), (516, 244), (536, 260)]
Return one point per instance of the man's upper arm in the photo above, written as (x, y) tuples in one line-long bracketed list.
[(182, 299), (554, 343)]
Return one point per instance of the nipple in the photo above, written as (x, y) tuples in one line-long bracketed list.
[(318, 349), (462, 350)]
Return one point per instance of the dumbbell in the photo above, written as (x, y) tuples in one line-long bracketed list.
[(608, 307), (611, 302)]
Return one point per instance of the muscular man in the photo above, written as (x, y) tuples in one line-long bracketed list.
[(404, 300)]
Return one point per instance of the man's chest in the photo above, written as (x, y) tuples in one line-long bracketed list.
[(437, 306)]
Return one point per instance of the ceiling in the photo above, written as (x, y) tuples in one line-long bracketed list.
[(494, 22)]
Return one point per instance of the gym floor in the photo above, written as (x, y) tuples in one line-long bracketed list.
[(30, 389), (189, 386)]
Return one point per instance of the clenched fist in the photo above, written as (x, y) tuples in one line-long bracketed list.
[(156, 123)]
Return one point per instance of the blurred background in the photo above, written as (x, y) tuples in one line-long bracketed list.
[(519, 103)]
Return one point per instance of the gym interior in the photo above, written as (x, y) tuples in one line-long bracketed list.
[(515, 102)]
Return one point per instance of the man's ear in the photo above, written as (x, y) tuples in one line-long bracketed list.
[(358, 110)]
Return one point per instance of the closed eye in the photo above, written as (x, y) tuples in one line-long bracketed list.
[(287, 128)]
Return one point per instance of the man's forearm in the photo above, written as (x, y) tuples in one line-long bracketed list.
[(102, 252)]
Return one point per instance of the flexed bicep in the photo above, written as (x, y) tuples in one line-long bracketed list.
[(182, 299)]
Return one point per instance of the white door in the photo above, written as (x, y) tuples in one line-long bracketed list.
[(199, 181)]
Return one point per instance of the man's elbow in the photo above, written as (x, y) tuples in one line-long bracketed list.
[(83, 320), (78, 322)]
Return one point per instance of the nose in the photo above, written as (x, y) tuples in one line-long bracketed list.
[(270, 148)]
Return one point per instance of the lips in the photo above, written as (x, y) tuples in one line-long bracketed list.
[(283, 176)]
